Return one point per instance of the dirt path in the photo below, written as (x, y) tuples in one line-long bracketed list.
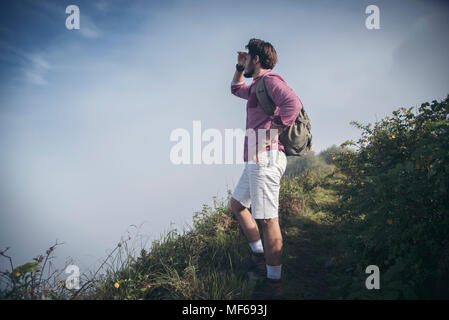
[(304, 260)]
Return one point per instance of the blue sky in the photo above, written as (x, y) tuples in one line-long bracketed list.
[(86, 115)]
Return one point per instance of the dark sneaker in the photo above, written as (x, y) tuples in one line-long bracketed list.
[(257, 264), (255, 267), (268, 289)]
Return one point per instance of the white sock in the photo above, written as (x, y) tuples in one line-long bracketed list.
[(274, 272), (256, 246)]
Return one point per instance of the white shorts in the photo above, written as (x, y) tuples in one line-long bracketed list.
[(258, 186)]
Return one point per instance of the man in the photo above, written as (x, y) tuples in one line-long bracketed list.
[(258, 187)]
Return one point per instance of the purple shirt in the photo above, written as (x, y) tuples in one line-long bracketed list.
[(287, 104)]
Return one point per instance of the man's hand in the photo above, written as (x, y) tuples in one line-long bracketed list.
[(269, 141), (279, 131), (241, 58)]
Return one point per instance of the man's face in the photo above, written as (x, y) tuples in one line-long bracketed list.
[(249, 67)]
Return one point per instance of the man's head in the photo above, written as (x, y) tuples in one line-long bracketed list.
[(261, 55)]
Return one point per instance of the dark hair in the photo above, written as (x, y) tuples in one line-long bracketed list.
[(266, 52)]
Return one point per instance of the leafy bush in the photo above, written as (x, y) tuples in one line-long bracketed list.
[(326, 154), (309, 162), (395, 200)]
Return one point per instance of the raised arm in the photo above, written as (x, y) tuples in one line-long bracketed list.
[(238, 86)]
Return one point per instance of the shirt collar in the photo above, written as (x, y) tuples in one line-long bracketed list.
[(261, 74)]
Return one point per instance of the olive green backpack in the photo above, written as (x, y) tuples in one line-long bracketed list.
[(297, 138)]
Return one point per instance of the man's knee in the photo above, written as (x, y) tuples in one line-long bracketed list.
[(236, 206), (268, 222)]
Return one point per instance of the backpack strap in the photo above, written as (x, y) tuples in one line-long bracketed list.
[(267, 104)]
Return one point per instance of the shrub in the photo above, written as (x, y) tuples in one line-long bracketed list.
[(395, 199)]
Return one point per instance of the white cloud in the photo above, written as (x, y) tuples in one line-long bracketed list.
[(35, 77), (101, 6), (35, 69), (34, 65), (88, 28)]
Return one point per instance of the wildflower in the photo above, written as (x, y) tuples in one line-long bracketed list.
[(393, 136), (389, 221), (18, 274), (362, 171), (116, 285)]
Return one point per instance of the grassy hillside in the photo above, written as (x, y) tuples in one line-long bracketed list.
[(383, 203)]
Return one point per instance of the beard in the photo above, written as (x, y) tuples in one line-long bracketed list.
[(249, 73)]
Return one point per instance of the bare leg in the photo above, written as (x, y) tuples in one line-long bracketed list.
[(246, 220), (272, 241)]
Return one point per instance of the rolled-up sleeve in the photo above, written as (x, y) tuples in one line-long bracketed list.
[(240, 89), (284, 97)]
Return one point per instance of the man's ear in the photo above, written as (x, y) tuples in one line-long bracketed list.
[(256, 59)]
